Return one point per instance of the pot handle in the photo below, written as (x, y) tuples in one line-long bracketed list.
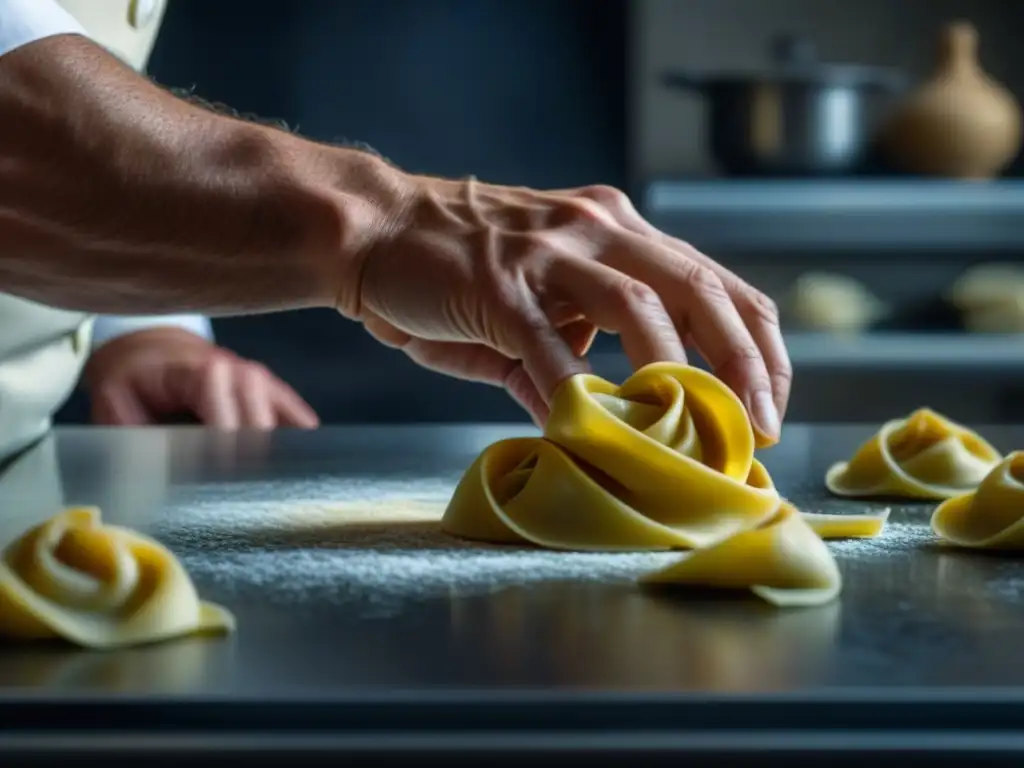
[(683, 81)]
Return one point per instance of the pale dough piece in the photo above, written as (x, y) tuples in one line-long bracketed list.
[(990, 298), (1005, 315), (783, 561), (924, 456), (824, 301), (98, 586), (986, 284), (992, 517), (665, 461)]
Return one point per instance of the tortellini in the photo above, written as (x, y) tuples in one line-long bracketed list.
[(986, 284), (666, 461), (98, 586), (924, 456), (822, 301), (991, 517), (990, 298)]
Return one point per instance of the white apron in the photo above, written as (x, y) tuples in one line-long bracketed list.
[(42, 350)]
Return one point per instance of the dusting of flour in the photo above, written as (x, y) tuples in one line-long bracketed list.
[(247, 545), (378, 542)]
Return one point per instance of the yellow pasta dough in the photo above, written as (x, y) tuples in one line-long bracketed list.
[(98, 586), (924, 456), (666, 461), (783, 561), (847, 526), (991, 517)]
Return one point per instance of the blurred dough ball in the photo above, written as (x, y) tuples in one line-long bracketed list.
[(1005, 315), (990, 298), (823, 301)]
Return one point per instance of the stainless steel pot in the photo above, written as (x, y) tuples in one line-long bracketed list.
[(799, 118)]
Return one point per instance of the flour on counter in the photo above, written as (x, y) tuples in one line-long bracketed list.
[(293, 552), (897, 537), (256, 540)]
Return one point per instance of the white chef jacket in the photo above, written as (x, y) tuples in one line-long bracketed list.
[(42, 349)]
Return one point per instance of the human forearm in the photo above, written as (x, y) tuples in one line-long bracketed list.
[(117, 197)]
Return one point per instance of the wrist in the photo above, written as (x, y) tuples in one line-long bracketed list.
[(311, 212), (367, 204), (329, 207)]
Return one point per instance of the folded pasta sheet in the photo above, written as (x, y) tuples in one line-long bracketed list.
[(992, 517), (924, 456), (664, 461), (783, 561), (98, 586)]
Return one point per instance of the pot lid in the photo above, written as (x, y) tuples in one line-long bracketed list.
[(794, 59)]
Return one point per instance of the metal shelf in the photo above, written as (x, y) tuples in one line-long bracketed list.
[(969, 353), (957, 353), (868, 214)]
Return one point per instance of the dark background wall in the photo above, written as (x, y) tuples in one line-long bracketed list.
[(527, 92), (546, 93)]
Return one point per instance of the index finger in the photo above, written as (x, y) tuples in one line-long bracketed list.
[(703, 308), (759, 313), (616, 301), (756, 310), (763, 321)]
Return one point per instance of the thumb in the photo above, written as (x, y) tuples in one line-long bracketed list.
[(118, 404)]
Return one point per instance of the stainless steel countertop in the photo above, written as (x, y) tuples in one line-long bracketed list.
[(368, 628)]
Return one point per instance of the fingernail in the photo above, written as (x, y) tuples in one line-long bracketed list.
[(766, 415)]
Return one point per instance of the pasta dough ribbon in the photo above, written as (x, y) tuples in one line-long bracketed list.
[(847, 526), (98, 586), (992, 517), (924, 456), (665, 461), (783, 561)]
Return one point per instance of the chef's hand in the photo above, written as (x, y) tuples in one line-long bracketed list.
[(157, 374), (508, 286)]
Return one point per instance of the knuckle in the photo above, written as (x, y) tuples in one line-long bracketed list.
[(256, 370), (783, 376), (540, 244), (763, 307), (608, 196), (633, 295), (572, 211), (746, 361), (703, 280), (532, 323), (214, 366)]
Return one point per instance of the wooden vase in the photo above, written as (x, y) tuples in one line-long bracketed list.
[(961, 123)]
